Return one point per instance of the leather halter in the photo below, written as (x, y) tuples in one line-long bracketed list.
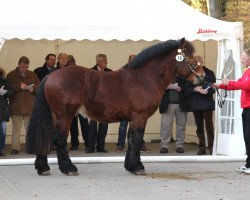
[(192, 67)]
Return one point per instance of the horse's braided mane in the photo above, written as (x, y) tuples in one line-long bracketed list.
[(157, 51)]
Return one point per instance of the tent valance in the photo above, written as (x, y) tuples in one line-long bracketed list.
[(111, 19)]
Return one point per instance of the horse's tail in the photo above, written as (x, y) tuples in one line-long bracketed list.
[(38, 138)]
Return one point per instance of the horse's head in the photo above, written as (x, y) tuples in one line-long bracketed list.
[(187, 66)]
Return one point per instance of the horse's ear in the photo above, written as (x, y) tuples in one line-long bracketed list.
[(182, 41)]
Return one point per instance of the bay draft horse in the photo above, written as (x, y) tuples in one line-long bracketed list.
[(132, 93)]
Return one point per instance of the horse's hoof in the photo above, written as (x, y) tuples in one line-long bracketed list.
[(73, 173), (140, 172), (45, 173)]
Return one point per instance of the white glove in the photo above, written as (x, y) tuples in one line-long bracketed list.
[(2, 91)]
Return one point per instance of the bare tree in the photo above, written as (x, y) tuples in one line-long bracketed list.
[(216, 8)]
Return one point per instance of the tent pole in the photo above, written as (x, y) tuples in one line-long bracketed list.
[(204, 53), (57, 47), (2, 41), (208, 8)]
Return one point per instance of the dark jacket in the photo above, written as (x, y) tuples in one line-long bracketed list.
[(4, 106), (105, 69), (41, 72), (184, 98), (203, 101)]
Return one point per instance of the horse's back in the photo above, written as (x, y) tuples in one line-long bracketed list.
[(67, 75), (66, 85)]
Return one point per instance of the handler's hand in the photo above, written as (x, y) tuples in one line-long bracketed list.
[(225, 81), (215, 85)]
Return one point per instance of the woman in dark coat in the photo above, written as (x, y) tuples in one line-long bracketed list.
[(5, 92), (203, 105)]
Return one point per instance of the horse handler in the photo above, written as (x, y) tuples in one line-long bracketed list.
[(242, 84)]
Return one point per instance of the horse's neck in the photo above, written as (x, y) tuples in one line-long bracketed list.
[(153, 73)]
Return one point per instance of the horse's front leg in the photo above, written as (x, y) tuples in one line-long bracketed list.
[(60, 141), (133, 161)]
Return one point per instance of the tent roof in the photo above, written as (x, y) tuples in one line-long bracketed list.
[(110, 19)]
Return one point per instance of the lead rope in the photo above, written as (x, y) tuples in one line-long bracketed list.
[(221, 100)]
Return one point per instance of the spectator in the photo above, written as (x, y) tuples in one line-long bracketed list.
[(74, 132), (175, 103), (24, 84), (84, 124), (242, 84), (123, 128), (120, 145), (62, 60), (98, 131), (5, 93), (71, 60), (203, 105), (48, 66)]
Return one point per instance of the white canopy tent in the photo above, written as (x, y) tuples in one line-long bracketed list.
[(134, 20), (110, 19)]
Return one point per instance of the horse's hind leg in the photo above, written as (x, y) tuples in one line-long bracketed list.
[(60, 141), (133, 161), (41, 165)]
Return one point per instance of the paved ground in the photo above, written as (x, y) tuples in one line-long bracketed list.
[(217, 181)]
